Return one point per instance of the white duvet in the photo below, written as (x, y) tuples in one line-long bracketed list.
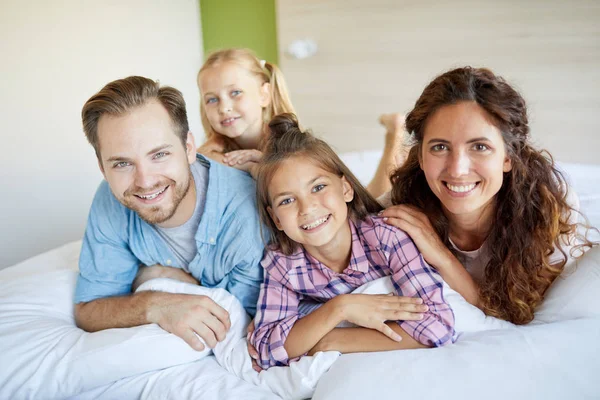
[(43, 355)]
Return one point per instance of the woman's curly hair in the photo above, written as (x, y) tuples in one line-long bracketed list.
[(532, 213)]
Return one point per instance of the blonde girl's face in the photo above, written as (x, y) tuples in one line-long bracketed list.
[(234, 100), (464, 160), (309, 204)]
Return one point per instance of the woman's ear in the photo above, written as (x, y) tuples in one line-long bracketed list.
[(347, 190), (507, 164), (274, 218), (265, 94)]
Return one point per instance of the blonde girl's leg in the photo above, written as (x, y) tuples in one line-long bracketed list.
[(394, 153)]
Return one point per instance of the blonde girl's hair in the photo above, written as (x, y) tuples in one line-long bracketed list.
[(263, 70), (287, 140)]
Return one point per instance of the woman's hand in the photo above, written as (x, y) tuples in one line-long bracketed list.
[(373, 310), (251, 350), (417, 225)]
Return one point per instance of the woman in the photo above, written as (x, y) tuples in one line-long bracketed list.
[(484, 207)]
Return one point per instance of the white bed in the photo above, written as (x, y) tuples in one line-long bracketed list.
[(43, 356)]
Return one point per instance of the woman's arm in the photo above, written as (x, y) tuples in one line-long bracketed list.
[(419, 228)]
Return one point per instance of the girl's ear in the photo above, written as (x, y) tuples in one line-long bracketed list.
[(265, 94), (347, 190), (274, 218)]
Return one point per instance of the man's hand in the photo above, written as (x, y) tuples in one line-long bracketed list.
[(190, 317)]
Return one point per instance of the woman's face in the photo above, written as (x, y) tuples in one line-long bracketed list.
[(464, 159)]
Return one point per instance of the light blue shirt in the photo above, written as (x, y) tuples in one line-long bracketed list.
[(229, 242)]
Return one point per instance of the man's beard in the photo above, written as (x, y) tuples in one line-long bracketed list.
[(158, 214)]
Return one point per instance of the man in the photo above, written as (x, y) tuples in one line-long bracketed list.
[(161, 204)]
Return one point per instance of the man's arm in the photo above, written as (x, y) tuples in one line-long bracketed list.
[(183, 315)]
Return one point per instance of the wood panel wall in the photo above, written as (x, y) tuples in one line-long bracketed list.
[(377, 56)]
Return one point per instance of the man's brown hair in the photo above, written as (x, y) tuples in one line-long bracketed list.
[(121, 96)]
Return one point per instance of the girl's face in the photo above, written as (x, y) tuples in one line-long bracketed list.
[(234, 100), (308, 203), (464, 159)]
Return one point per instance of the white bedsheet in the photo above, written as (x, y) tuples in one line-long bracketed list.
[(43, 356), (555, 357)]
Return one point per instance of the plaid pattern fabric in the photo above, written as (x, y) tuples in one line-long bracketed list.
[(378, 250)]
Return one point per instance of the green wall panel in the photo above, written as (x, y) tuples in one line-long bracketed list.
[(240, 23)]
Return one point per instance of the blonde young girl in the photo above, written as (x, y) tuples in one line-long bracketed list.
[(239, 95), (324, 243)]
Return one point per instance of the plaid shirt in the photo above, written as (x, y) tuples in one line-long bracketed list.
[(378, 250)]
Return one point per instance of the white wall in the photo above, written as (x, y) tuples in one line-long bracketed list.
[(55, 55)]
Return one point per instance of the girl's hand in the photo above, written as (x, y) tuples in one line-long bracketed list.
[(251, 350), (237, 158), (417, 225), (213, 146), (373, 310)]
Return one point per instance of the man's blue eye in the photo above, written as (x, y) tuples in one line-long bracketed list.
[(121, 164), (161, 154)]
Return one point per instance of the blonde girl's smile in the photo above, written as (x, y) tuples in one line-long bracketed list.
[(234, 100)]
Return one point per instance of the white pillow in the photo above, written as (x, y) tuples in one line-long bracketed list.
[(575, 294)]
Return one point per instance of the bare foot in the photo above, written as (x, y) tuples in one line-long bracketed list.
[(394, 126), (395, 149)]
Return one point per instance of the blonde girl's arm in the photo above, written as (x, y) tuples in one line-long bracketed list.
[(213, 149)]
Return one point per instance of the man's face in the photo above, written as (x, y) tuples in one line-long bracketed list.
[(146, 165)]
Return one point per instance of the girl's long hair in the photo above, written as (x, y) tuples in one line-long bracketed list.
[(264, 71), (531, 214), (287, 140)]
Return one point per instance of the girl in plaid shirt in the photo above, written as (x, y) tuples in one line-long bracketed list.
[(325, 241)]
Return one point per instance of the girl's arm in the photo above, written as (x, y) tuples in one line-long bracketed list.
[(419, 228), (276, 315), (214, 149), (362, 340), (281, 334), (365, 310)]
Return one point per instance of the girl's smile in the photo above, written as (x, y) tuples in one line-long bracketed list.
[(308, 203)]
